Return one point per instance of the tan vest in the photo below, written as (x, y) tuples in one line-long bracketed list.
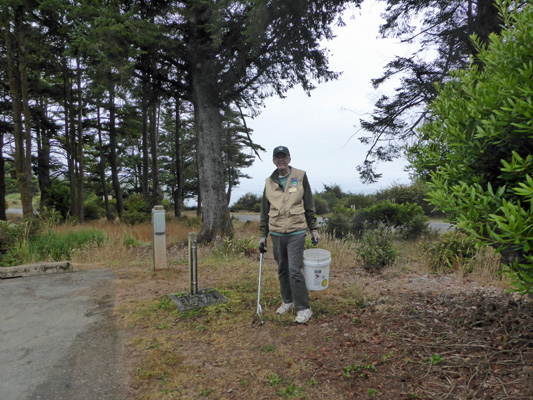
[(287, 213)]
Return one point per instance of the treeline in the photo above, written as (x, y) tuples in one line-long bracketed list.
[(103, 100)]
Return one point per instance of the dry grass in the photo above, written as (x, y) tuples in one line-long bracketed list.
[(217, 352)]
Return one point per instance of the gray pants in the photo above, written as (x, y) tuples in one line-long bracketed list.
[(289, 253)]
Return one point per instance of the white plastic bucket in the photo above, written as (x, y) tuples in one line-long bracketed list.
[(316, 268)]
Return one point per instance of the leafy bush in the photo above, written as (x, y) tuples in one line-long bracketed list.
[(328, 199), (59, 197), (407, 219), (358, 201), (453, 251), (478, 147), (377, 248), (249, 202), (321, 205), (135, 210), (338, 223), (93, 207), (415, 193)]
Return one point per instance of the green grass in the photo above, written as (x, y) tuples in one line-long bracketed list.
[(52, 246)]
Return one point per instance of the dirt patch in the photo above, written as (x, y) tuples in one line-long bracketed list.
[(417, 337)]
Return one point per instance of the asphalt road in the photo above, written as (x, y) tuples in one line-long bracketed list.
[(59, 339), (438, 226)]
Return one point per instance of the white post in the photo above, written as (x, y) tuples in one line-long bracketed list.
[(159, 238)]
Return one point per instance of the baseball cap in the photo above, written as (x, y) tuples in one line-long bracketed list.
[(281, 149)]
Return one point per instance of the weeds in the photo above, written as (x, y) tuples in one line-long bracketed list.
[(292, 391), (233, 246)]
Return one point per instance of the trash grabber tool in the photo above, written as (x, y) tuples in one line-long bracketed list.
[(259, 309)]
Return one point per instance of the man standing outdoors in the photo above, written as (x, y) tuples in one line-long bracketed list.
[(287, 209)]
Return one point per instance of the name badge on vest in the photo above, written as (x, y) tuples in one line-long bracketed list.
[(294, 183)]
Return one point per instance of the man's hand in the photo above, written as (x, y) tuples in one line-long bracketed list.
[(315, 237), (263, 245)]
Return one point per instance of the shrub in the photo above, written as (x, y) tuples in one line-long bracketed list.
[(453, 251), (59, 197), (407, 219), (415, 193), (377, 248), (329, 198), (338, 223), (248, 202), (93, 207), (321, 205), (135, 210), (477, 147), (358, 201)]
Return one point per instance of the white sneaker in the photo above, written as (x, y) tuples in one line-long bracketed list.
[(284, 308), (303, 316)]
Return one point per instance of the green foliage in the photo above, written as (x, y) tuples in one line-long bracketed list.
[(93, 207), (230, 247), (292, 391), (249, 202), (331, 196), (377, 248), (136, 210), (358, 201), (408, 220), (478, 148), (59, 197), (415, 194), (338, 223), (453, 251), (29, 246), (13, 237), (130, 241), (321, 205), (57, 247)]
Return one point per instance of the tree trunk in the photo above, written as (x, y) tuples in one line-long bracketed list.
[(178, 191), (43, 162), (215, 214), (3, 215), (19, 96), (79, 149), (145, 142), (101, 165), (153, 147), (113, 150), (69, 141)]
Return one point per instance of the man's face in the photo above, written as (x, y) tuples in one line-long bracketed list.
[(281, 161)]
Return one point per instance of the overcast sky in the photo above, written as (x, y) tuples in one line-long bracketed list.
[(317, 129)]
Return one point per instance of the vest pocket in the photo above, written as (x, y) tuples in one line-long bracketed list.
[(296, 218)]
